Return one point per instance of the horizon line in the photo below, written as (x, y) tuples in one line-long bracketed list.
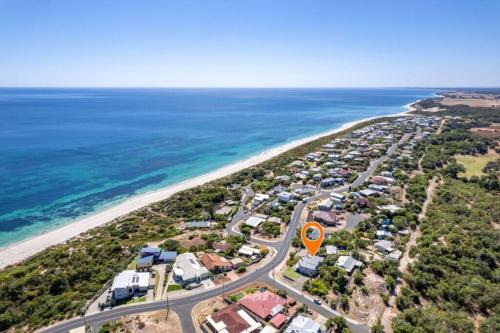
[(248, 87)]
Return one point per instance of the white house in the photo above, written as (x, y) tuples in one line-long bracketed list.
[(303, 325), (336, 197), (285, 196), (254, 221), (348, 263), (260, 198), (384, 246), (325, 204), (128, 283), (188, 270), (248, 251)]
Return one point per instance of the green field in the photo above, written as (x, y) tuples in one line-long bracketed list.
[(291, 274), (474, 164), (174, 287)]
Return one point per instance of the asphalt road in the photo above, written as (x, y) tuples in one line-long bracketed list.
[(183, 304)]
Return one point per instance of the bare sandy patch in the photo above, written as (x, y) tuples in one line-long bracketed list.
[(152, 322), (367, 308)]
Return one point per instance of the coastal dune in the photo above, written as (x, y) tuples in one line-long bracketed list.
[(24, 249)]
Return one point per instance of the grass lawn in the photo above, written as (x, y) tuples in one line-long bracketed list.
[(250, 290), (137, 300), (236, 297), (291, 274), (475, 164), (174, 287)]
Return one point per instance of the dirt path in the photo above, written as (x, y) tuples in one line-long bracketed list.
[(420, 170), (440, 128), (391, 311)]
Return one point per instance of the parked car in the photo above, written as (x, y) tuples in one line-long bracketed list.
[(317, 301)]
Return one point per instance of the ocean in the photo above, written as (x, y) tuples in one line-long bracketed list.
[(66, 153)]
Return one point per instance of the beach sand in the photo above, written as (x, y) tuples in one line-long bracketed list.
[(21, 250)]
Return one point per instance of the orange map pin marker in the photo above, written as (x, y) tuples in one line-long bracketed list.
[(312, 245)]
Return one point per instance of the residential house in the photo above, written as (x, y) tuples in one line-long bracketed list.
[(221, 246), (362, 202), (368, 193), (395, 255), (215, 263), (384, 246), (285, 196), (309, 266), (326, 217), (197, 225), (274, 219), (264, 304), (248, 251), (187, 270), (260, 198), (279, 320), (154, 255), (237, 263), (383, 234), (254, 221), (297, 163), (302, 324), (337, 198), (381, 180), (283, 178), (330, 249), (144, 263), (232, 319), (326, 204), (387, 174), (348, 263), (327, 182), (129, 283), (389, 208), (379, 188)]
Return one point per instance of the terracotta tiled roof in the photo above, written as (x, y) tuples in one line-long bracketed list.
[(213, 261), (229, 315), (262, 303), (278, 320)]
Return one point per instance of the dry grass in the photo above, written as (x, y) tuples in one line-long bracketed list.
[(474, 164)]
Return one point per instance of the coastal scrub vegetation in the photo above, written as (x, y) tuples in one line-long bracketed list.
[(457, 261), (453, 284)]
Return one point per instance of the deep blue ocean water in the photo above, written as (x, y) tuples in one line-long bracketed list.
[(65, 153)]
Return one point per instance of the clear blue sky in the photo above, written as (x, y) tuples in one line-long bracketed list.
[(250, 43)]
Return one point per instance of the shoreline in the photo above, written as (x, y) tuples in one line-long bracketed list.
[(19, 251)]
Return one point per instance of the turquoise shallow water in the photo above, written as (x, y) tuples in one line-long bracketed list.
[(65, 153)]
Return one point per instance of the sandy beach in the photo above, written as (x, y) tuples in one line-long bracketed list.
[(21, 250)]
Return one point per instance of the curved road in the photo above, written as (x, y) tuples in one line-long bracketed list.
[(183, 304)]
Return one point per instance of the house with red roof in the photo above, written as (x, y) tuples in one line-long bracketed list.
[(278, 320), (232, 319), (264, 304), (215, 263)]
